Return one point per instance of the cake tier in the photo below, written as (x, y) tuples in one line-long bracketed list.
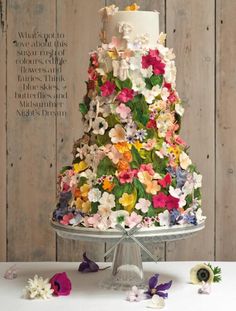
[(131, 26)]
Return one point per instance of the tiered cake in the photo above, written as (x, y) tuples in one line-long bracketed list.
[(131, 166)]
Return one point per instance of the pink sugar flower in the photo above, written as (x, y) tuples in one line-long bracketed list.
[(61, 284), (133, 220), (66, 219), (159, 200), (123, 111), (107, 88), (153, 59), (147, 168), (166, 181), (125, 95), (172, 202), (126, 176), (94, 220)]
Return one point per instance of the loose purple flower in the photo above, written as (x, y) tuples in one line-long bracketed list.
[(88, 265), (157, 289)]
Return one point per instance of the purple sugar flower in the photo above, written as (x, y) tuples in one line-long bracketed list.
[(157, 289), (88, 265)]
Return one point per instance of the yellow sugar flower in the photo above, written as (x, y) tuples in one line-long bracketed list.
[(138, 145), (132, 7), (175, 152), (84, 190), (81, 166), (79, 203), (128, 201), (86, 206), (122, 147)]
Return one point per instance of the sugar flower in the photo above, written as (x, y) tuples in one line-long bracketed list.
[(61, 284), (66, 219), (133, 220), (162, 38), (179, 194), (104, 210), (123, 111), (132, 7), (166, 181), (118, 217), (135, 294), (157, 302), (201, 272), (205, 288), (159, 200), (157, 289), (143, 205), (153, 59), (79, 167), (164, 218), (179, 109), (94, 195), (126, 176), (110, 10), (107, 199), (87, 265), (117, 134), (125, 95), (38, 288), (99, 126), (128, 201), (107, 88), (185, 161)]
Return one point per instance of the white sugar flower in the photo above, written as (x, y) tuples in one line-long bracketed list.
[(107, 199), (199, 215), (135, 294), (179, 109), (147, 73), (170, 73), (90, 175), (149, 96), (104, 210), (118, 217), (143, 205), (164, 218), (197, 180), (185, 161), (94, 195), (157, 302), (99, 126), (164, 93), (38, 288)]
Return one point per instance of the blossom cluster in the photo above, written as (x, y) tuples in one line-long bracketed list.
[(131, 166)]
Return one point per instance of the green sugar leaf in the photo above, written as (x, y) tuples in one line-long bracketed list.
[(83, 108), (105, 167), (156, 80)]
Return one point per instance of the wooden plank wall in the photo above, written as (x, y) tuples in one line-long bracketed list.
[(32, 150)]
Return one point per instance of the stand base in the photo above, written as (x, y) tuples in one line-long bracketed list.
[(127, 268)]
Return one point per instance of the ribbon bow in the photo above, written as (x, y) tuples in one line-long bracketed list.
[(129, 234)]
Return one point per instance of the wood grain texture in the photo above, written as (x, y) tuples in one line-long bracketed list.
[(3, 204), (225, 130), (190, 31), (31, 148), (80, 21), (157, 250)]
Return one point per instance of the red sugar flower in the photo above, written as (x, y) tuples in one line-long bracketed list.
[(107, 88), (159, 200), (166, 181), (126, 95), (172, 202), (151, 124), (153, 59), (126, 176)]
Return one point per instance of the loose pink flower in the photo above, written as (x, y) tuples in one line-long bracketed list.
[(126, 177), (61, 284), (159, 200), (147, 168), (107, 88), (166, 181), (66, 219), (133, 220), (123, 111), (126, 95)]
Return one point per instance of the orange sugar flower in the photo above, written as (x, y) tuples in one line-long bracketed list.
[(123, 165), (128, 156), (122, 147), (77, 193), (108, 185)]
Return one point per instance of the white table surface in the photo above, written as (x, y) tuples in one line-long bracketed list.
[(86, 294)]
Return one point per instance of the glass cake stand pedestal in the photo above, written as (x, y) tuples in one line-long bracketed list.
[(127, 269)]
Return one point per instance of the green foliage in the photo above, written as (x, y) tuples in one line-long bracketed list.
[(105, 167), (140, 111), (148, 83), (159, 164), (102, 140), (136, 157), (83, 108), (123, 84), (156, 80), (112, 120), (140, 189), (217, 273), (82, 181), (94, 207)]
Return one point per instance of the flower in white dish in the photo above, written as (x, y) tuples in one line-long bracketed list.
[(103, 224), (164, 218), (143, 205), (117, 134), (99, 126), (157, 302), (179, 109), (133, 220), (38, 288), (135, 294), (118, 217), (185, 161), (94, 195), (107, 199), (179, 194)]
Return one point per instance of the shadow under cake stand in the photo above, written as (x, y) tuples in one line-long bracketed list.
[(127, 269)]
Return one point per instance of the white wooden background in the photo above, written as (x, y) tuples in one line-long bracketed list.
[(202, 34)]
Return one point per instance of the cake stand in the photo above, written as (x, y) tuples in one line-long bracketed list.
[(127, 267)]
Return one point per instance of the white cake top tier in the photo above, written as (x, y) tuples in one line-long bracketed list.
[(132, 27)]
